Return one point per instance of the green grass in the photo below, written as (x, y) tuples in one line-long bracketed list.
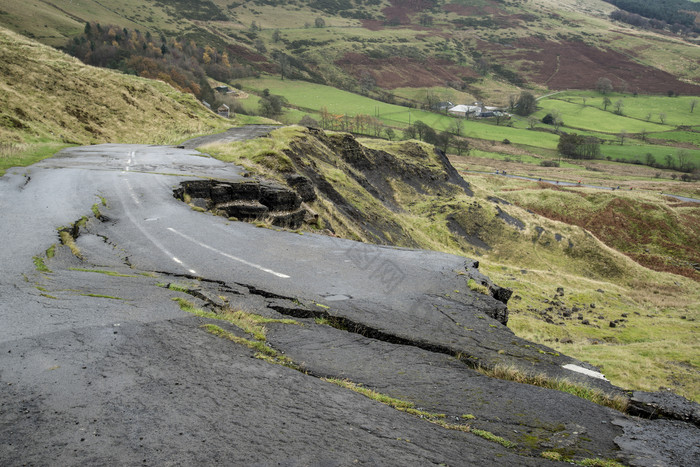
[(487, 435), (676, 109), (100, 271), (409, 407), (591, 117), (692, 137), (68, 240), (40, 265), (26, 154), (596, 396), (312, 97), (95, 295)]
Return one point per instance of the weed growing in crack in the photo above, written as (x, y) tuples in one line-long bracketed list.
[(189, 307), (100, 271), (250, 323), (96, 211), (510, 373), (176, 287), (590, 462), (409, 407), (398, 404), (476, 287), (263, 352), (599, 463), (40, 265), (68, 240), (491, 437), (100, 296)]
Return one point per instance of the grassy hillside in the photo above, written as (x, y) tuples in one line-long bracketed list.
[(481, 50), (49, 100), (401, 193)]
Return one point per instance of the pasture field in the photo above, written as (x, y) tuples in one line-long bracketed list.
[(692, 137), (676, 109), (632, 152), (311, 98), (590, 117)]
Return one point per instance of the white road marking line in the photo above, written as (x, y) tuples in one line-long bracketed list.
[(234, 258), (150, 237), (585, 371), (129, 162), (132, 193)]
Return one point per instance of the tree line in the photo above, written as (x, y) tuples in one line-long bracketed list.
[(661, 13), (179, 62)]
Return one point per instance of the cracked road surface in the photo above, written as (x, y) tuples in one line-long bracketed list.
[(98, 364)]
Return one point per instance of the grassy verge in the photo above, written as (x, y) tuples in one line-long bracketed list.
[(26, 154)]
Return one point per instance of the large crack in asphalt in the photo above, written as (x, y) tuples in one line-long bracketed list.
[(432, 376)]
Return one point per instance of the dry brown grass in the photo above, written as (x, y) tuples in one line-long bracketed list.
[(46, 96)]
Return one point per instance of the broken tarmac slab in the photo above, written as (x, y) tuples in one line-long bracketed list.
[(535, 418), (158, 385)]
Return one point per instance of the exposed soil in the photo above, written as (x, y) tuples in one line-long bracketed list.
[(472, 10), (400, 10), (398, 72)]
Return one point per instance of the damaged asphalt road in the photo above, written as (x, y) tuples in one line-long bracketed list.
[(99, 365)]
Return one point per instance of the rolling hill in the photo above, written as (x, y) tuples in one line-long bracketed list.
[(483, 48)]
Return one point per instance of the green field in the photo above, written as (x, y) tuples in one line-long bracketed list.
[(676, 109), (590, 117), (306, 98), (310, 98)]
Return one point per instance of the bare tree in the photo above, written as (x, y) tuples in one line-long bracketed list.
[(662, 117), (512, 101), (603, 85), (683, 159), (284, 64), (619, 106), (693, 104), (367, 82), (260, 46), (457, 125), (621, 136), (556, 119), (532, 122), (462, 146), (606, 102)]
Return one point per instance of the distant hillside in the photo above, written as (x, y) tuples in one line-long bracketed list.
[(379, 47), (47, 96)]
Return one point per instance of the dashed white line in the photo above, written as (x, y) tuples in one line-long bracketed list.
[(234, 258), (148, 235)]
